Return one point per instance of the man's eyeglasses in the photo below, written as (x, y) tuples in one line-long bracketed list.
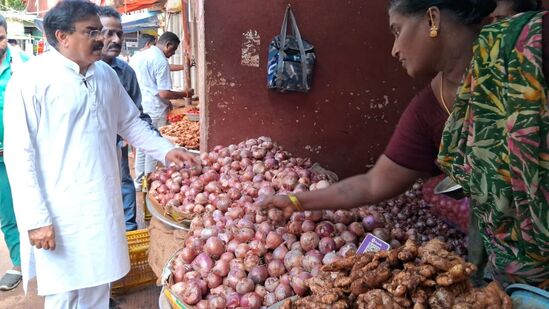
[(93, 34)]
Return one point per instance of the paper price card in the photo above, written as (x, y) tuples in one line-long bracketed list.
[(372, 244)]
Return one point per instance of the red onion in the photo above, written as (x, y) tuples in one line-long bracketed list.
[(179, 273), (221, 268), (330, 257), (323, 184), (369, 223), (357, 229), (216, 302), (233, 301), (324, 229), (347, 250), (227, 256), (289, 239), (242, 223), (265, 227), (382, 234), (187, 254), (234, 277), (202, 264), (268, 257), (311, 261), (273, 240), (309, 241), (315, 215), (196, 243), (258, 274), (201, 198), (296, 246), (257, 247), (265, 191), (251, 300), (245, 234), (293, 259), (275, 215), (271, 283), (241, 250), (280, 252), (222, 203), (283, 291), (213, 280), (348, 236), (289, 181), (307, 226), (298, 283), (190, 292), (236, 264), (232, 245), (343, 216), (326, 245), (261, 291), (191, 275), (203, 304), (214, 247), (244, 286), (269, 299), (339, 242), (276, 268), (294, 227), (250, 261)]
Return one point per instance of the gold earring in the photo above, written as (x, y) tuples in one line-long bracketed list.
[(434, 28), (434, 31)]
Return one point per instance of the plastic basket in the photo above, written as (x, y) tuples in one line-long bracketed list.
[(141, 274)]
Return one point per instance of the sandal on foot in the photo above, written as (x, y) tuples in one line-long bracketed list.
[(10, 280)]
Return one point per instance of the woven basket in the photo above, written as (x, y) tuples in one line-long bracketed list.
[(141, 274), (173, 212)]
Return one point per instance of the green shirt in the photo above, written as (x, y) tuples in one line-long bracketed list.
[(5, 75)]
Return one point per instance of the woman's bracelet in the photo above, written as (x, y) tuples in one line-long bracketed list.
[(295, 202)]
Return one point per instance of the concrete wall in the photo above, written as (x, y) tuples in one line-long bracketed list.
[(358, 93)]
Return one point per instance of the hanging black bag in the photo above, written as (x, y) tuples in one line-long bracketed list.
[(291, 59)]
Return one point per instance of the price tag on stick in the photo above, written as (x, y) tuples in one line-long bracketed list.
[(372, 244)]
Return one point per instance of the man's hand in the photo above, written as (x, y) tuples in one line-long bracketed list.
[(43, 238), (277, 201), (180, 156), (189, 93)]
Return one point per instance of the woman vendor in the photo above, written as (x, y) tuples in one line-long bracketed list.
[(431, 37)]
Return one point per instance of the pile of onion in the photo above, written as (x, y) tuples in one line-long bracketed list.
[(238, 256)]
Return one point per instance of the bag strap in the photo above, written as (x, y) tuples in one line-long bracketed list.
[(281, 54), (297, 34)]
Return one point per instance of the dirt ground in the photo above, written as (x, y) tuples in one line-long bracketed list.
[(144, 298)]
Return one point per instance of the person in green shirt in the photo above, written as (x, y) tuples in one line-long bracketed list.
[(8, 59)]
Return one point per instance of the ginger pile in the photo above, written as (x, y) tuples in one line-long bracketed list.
[(408, 277), (185, 133)]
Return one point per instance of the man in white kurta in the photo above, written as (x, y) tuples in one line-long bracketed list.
[(63, 112)]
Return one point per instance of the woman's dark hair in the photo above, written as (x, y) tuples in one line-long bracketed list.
[(470, 12), (64, 15), (520, 6)]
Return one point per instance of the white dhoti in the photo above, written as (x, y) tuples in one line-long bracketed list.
[(96, 297)]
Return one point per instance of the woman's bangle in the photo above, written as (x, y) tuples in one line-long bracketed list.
[(295, 202)]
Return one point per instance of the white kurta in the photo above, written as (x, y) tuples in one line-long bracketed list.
[(60, 154)]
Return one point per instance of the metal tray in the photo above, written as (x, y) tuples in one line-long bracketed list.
[(157, 213), (449, 188)]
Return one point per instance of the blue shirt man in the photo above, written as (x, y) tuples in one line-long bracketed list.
[(112, 46)]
